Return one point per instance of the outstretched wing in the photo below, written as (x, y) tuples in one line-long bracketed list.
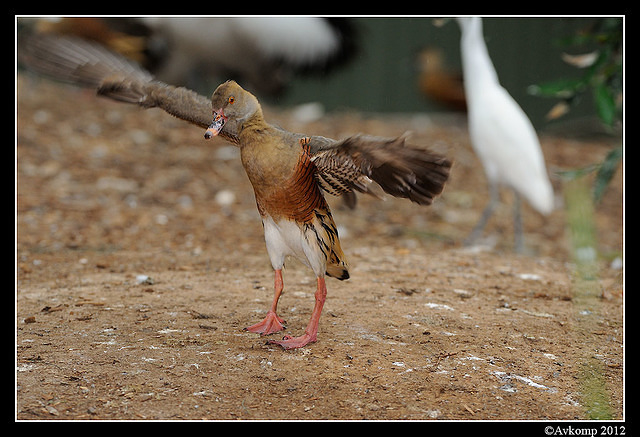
[(400, 169), (91, 65), (343, 166)]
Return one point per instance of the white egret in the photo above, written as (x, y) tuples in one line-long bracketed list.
[(501, 135)]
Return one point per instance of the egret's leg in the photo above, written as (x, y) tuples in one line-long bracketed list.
[(477, 231), (517, 224)]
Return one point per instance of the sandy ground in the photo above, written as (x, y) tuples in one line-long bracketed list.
[(140, 259)]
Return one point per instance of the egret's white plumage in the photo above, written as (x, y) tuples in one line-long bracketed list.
[(501, 134)]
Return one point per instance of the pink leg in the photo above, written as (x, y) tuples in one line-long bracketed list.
[(271, 323), (310, 334)]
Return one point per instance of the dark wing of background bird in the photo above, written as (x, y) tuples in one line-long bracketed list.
[(263, 53)]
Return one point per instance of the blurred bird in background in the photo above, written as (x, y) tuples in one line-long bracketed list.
[(438, 82), (264, 53), (120, 35), (501, 134)]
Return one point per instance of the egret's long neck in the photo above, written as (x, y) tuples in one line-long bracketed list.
[(476, 64)]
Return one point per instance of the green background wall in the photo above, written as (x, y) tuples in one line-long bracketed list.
[(383, 77)]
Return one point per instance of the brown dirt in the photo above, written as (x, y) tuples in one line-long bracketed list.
[(424, 329)]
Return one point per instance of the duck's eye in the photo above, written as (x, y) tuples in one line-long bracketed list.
[(231, 100)]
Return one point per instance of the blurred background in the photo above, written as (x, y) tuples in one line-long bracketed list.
[(388, 72), (404, 64)]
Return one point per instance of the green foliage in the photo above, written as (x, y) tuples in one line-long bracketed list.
[(602, 71), (602, 76), (606, 171)]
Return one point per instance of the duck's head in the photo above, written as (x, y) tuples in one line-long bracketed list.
[(231, 106)]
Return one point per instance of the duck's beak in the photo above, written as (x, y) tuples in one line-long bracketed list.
[(216, 125)]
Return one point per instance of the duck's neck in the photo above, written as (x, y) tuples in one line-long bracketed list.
[(253, 121)]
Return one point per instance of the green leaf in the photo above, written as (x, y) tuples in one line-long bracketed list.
[(563, 88), (605, 104), (576, 173), (605, 172)]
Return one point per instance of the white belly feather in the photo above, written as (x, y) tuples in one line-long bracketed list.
[(286, 238)]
